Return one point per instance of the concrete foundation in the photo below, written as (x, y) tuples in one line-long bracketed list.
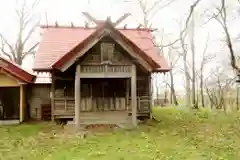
[(9, 122)]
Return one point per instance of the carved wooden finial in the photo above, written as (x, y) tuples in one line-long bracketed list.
[(86, 24), (72, 25), (109, 19), (56, 24), (97, 22)]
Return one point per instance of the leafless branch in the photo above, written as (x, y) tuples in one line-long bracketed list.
[(30, 32), (222, 19), (158, 7), (4, 52), (26, 16), (183, 31), (10, 48), (30, 51)]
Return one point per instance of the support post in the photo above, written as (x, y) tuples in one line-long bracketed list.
[(22, 103), (150, 92), (53, 96), (127, 94), (134, 96), (77, 93)]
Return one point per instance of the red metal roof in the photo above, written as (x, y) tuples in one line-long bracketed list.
[(15, 70), (58, 41)]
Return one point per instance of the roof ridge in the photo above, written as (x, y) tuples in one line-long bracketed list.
[(95, 27)]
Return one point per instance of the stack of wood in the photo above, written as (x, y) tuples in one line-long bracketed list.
[(46, 112)]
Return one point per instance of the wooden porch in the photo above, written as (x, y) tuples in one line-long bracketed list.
[(65, 107), (100, 89), (106, 79)]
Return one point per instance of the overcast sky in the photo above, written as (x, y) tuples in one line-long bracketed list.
[(167, 20)]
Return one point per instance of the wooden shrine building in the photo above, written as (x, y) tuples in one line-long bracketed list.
[(96, 74)]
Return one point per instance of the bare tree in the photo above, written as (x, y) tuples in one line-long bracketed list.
[(184, 54), (216, 91), (192, 41), (222, 17), (192, 44), (206, 58), (173, 59), (150, 10), (27, 23)]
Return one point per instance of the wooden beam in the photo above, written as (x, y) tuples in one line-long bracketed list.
[(134, 95), (150, 94), (122, 18), (90, 17), (77, 93), (22, 103), (64, 78), (105, 75), (127, 93), (53, 95), (83, 51)]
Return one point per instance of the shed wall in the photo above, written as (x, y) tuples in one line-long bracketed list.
[(38, 95), (7, 81)]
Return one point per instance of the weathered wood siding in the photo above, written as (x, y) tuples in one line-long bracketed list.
[(93, 56), (37, 94)]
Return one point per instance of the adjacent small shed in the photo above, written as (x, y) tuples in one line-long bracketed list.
[(13, 81)]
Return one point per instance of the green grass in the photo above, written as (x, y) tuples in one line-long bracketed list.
[(179, 134)]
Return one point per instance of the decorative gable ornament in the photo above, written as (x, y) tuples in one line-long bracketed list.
[(107, 50)]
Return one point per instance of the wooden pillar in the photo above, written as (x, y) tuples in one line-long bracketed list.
[(93, 109), (77, 97), (134, 95), (150, 92), (22, 103), (52, 96), (127, 93)]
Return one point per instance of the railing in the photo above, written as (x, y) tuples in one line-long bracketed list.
[(105, 68), (66, 106), (143, 104)]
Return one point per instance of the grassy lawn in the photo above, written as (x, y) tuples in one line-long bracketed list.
[(179, 134)]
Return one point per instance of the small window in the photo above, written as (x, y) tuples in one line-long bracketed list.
[(107, 50)]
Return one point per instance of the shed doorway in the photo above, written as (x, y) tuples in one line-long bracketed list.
[(9, 103)]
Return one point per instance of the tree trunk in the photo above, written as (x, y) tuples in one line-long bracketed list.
[(201, 88), (187, 81), (193, 66), (173, 93), (237, 98), (165, 95)]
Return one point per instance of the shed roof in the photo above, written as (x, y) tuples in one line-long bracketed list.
[(16, 70)]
